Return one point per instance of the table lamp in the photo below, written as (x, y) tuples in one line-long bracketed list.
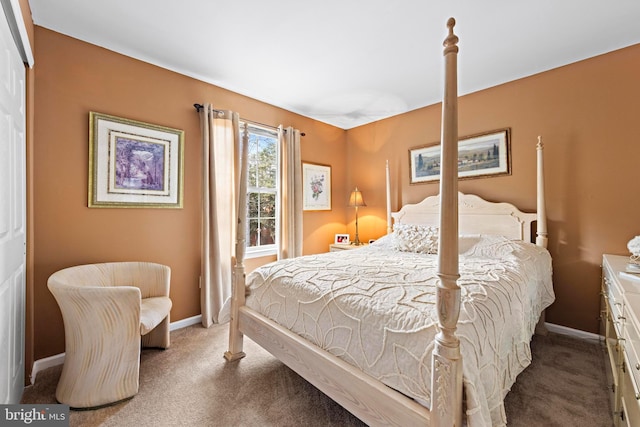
[(356, 200)]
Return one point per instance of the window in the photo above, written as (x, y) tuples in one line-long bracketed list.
[(262, 191)]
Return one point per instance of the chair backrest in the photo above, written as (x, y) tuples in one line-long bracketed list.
[(152, 279)]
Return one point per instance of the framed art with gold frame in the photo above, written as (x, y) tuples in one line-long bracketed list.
[(480, 155), (134, 164)]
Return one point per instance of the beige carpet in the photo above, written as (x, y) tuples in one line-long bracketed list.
[(190, 384)]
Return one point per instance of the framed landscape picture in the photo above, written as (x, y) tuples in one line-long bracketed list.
[(134, 164), (316, 187), (481, 155)]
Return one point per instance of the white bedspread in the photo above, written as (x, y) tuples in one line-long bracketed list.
[(374, 307)]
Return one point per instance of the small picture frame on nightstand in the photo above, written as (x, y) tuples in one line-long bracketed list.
[(341, 239)]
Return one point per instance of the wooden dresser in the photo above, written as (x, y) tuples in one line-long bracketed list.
[(621, 329)]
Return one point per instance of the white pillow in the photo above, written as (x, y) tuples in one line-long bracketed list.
[(416, 238)]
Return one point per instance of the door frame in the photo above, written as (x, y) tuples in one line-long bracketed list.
[(15, 19), (14, 16)]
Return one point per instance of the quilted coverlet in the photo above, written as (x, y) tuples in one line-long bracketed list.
[(374, 307)]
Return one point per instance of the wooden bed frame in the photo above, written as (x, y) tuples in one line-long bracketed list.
[(366, 398)]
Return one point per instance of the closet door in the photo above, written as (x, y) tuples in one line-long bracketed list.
[(12, 217)]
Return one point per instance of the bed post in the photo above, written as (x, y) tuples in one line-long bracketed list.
[(541, 230), (389, 225), (238, 286), (446, 364), (541, 222)]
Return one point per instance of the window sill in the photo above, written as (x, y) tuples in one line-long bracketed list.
[(259, 253)]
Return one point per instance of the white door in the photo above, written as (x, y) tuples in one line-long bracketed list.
[(12, 218)]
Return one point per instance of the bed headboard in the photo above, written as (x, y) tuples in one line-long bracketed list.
[(475, 216)]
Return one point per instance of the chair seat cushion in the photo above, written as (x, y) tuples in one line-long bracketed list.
[(152, 312)]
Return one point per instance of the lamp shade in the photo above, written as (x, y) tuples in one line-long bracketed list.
[(356, 198)]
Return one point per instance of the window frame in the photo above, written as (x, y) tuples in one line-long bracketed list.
[(268, 249)]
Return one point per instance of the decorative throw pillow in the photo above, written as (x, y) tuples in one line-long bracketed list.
[(416, 238)]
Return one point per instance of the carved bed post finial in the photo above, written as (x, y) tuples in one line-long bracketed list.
[(446, 365), (451, 42)]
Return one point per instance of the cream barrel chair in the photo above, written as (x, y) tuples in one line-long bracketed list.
[(106, 309)]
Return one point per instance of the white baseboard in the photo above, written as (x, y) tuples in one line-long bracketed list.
[(47, 362), (179, 324), (58, 359), (575, 333)]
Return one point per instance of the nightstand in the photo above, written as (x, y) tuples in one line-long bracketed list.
[(337, 247)]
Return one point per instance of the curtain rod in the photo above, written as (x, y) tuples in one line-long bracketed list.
[(198, 107)]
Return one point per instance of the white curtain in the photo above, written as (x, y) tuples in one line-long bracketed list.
[(222, 149), (290, 201)]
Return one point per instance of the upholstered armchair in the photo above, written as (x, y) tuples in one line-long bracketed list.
[(109, 311)]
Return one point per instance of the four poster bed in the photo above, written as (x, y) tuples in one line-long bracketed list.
[(392, 331)]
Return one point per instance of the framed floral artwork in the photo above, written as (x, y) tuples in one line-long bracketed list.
[(316, 187), (134, 164)]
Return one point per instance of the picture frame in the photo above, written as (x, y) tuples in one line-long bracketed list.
[(134, 164), (316, 187), (480, 155), (342, 239)]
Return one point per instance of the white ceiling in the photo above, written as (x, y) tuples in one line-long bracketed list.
[(347, 62)]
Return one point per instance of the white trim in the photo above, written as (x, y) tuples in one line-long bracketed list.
[(179, 324), (58, 359), (260, 251), (47, 362), (575, 333), (14, 17)]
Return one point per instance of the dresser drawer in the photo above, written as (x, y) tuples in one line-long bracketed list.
[(631, 346), (613, 295), (631, 343), (630, 406)]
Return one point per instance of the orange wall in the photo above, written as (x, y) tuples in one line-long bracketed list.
[(73, 78), (587, 115)]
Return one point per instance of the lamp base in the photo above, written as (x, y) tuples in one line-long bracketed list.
[(356, 241)]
